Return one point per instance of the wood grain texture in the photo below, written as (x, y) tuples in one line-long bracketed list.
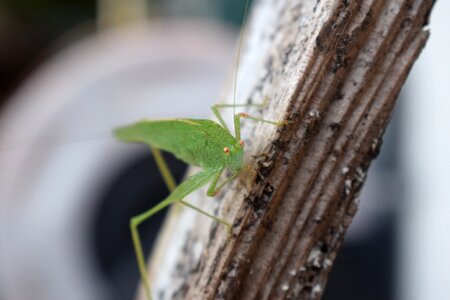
[(333, 69)]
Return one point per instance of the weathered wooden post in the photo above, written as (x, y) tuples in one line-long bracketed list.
[(333, 70)]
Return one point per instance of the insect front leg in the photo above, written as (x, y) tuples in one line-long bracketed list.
[(216, 112), (237, 117), (237, 123), (215, 109)]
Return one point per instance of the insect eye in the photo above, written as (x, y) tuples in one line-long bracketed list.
[(226, 150), (241, 142)]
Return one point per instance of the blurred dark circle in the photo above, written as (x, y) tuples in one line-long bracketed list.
[(135, 188)]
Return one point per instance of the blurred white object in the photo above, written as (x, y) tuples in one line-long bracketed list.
[(48, 177), (425, 225)]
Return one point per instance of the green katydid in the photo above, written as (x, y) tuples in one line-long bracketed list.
[(202, 143)]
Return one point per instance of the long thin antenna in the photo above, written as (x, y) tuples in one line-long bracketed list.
[(241, 38)]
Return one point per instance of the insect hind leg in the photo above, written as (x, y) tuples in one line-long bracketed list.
[(237, 126), (215, 109), (134, 223), (237, 122), (163, 168), (188, 186)]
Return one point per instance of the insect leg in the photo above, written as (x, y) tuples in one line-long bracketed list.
[(163, 169), (237, 125), (188, 186), (134, 223), (212, 190), (215, 109), (221, 221), (237, 122), (217, 189), (212, 187)]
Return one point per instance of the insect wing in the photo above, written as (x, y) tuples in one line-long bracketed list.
[(197, 142)]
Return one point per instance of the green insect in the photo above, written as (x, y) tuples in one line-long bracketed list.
[(202, 143)]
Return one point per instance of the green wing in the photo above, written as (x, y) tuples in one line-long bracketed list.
[(197, 142)]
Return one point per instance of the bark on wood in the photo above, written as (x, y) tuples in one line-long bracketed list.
[(333, 70)]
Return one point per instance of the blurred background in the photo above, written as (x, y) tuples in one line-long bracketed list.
[(71, 70)]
